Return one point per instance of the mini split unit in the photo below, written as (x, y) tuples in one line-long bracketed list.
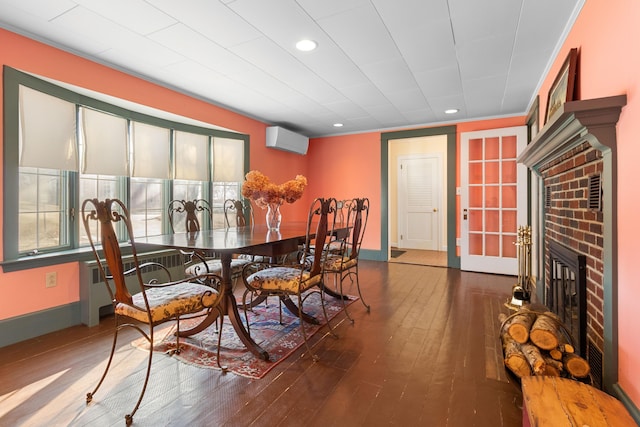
[(284, 139)]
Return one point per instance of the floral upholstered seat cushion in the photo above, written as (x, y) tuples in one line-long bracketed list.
[(215, 266), (337, 263), (283, 279), (170, 301)]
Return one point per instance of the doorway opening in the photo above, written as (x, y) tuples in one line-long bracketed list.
[(419, 207)]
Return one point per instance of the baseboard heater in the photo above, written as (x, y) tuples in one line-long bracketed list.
[(94, 298)]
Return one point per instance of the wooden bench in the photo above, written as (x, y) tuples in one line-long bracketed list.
[(559, 402)]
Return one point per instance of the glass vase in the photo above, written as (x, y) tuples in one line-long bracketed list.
[(273, 216)]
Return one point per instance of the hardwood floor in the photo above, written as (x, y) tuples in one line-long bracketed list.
[(428, 354), (420, 257)]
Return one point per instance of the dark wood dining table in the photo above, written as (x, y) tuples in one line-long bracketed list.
[(252, 240)]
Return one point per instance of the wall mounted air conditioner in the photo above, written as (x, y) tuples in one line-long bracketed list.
[(283, 139)]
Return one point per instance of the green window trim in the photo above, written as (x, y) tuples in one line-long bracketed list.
[(12, 79)]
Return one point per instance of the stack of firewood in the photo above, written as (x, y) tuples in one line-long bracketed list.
[(537, 343)]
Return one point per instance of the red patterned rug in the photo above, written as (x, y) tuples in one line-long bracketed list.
[(278, 339)]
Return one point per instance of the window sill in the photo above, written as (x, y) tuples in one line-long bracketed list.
[(60, 257)]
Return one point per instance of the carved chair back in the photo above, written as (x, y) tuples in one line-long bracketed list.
[(191, 213), (238, 213), (108, 214)]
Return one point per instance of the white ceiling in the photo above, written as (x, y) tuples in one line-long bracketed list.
[(380, 64)]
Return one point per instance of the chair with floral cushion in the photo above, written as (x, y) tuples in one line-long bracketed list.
[(301, 280), (238, 213), (189, 215), (156, 302), (342, 260)]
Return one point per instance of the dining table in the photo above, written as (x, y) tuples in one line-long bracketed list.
[(228, 242)]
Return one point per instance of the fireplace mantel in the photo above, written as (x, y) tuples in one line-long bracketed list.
[(592, 120)]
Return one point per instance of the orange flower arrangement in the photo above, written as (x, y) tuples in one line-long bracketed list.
[(258, 188)]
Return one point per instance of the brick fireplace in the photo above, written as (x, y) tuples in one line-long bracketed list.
[(574, 162)]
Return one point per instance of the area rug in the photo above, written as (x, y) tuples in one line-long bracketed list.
[(278, 339), (395, 253)]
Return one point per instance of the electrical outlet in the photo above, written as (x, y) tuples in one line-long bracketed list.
[(457, 241), (51, 279)]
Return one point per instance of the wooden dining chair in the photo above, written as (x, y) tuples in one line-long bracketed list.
[(301, 280), (156, 302), (344, 251)]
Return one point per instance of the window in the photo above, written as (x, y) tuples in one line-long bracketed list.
[(62, 147), (43, 209)]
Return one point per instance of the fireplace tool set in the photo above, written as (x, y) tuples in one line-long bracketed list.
[(521, 291)]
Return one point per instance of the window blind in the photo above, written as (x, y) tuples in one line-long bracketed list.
[(151, 151), (191, 156), (106, 151), (228, 160), (47, 133)]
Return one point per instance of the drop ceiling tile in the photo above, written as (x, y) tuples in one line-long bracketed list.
[(212, 19), (361, 34), (36, 9), (136, 15)]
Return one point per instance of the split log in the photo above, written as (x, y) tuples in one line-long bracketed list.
[(519, 324), (576, 365), (545, 332), (558, 353), (534, 357), (514, 359), (566, 348), (553, 368)]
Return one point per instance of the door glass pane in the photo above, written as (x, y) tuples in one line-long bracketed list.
[(492, 221), (509, 172), (475, 244), (492, 148), (475, 149), (509, 196), (509, 220), (475, 220), (492, 197), (492, 245), (475, 197), (492, 173), (509, 248), (509, 147), (475, 173)]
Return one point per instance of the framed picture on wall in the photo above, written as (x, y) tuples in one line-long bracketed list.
[(562, 88), (533, 119)]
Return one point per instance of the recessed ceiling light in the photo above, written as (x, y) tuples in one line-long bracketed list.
[(338, 125), (451, 111), (306, 45)]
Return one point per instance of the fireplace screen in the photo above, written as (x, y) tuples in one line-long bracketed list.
[(566, 295)]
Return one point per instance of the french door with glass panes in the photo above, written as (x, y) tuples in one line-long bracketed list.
[(493, 199)]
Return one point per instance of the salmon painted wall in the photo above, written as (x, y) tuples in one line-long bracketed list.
[(606, 35), (347, 167), (30, 56)]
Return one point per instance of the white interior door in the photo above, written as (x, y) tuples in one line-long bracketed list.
[(493, 199), (419, 202)]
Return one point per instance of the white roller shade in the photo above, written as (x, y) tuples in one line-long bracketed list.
[(47, 131), (228, 160), (151, 151), (192, 156), (106, 151)]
